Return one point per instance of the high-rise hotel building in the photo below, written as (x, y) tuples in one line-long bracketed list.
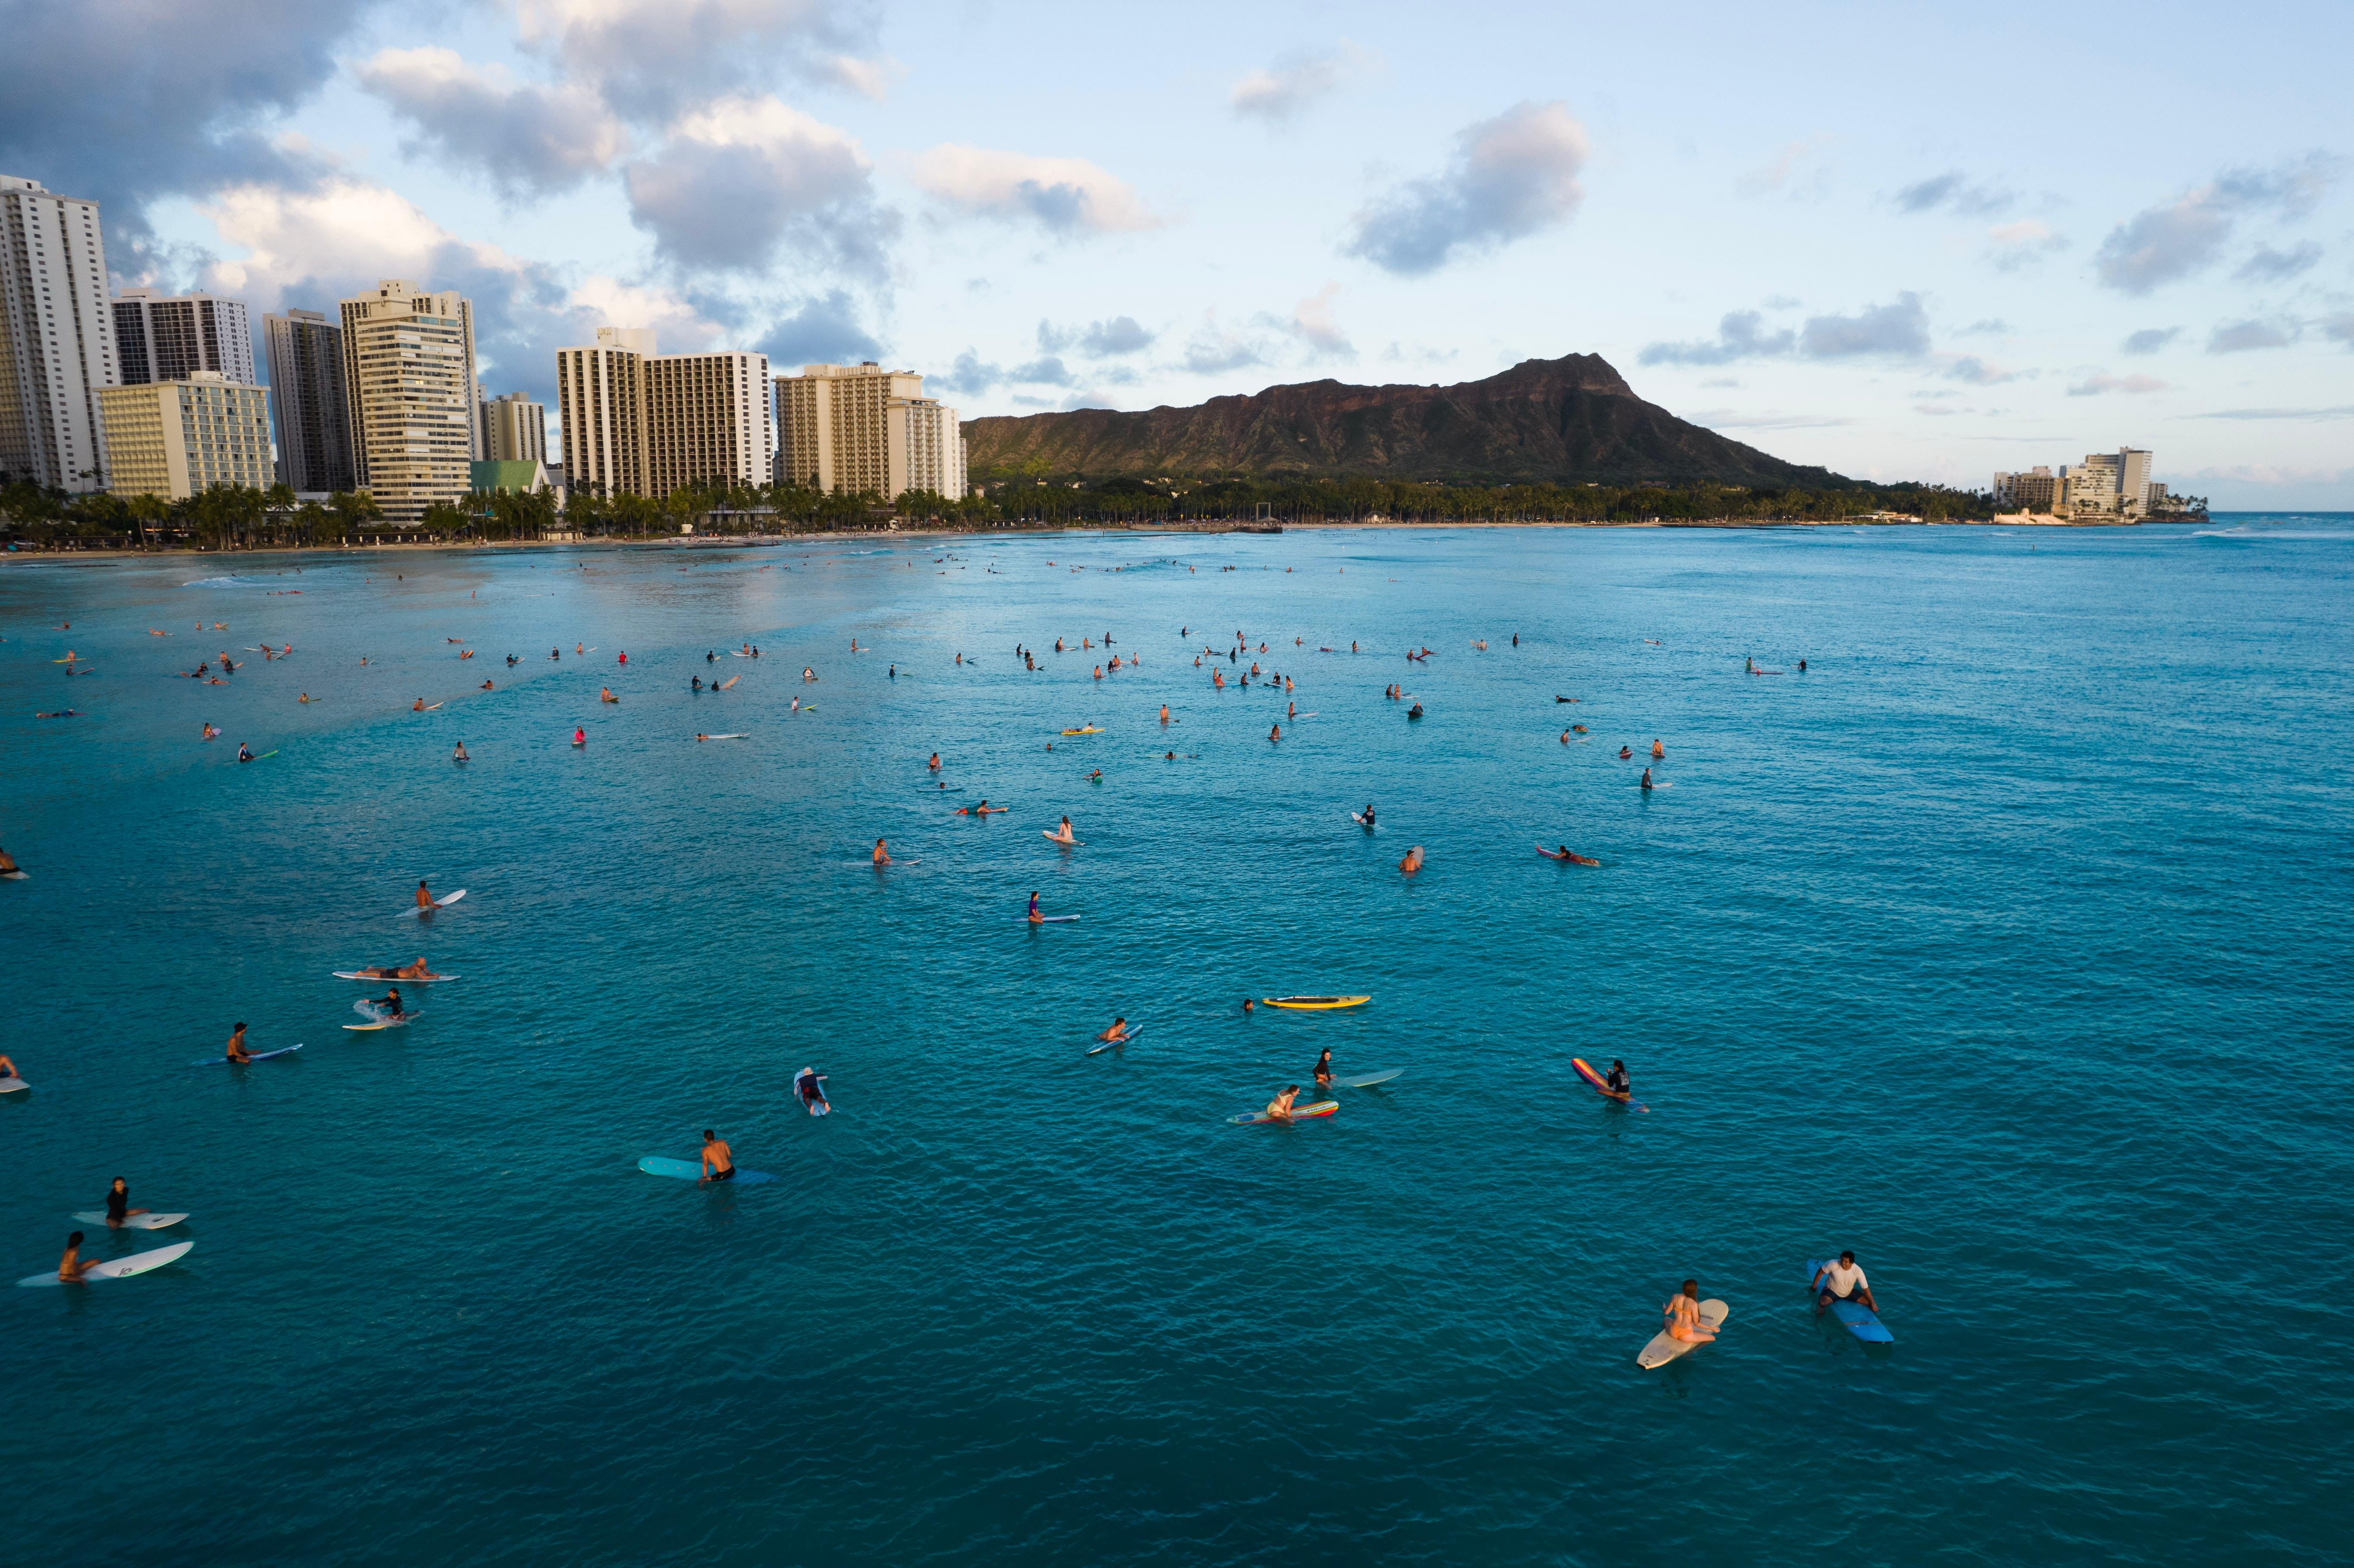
[(854, 428), (513, 429), (164, 338), (309, 403), (408, 379), (640, 423), (181, 438), (56, 338)]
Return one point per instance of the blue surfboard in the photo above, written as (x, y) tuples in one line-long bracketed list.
[(692, 1170), (1859, 1319)]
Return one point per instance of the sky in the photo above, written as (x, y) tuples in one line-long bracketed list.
[(1901, 242)]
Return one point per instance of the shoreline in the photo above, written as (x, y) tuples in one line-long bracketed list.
[(16, 554)]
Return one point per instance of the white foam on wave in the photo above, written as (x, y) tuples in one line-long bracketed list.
[(215, 582), (2267, 534)]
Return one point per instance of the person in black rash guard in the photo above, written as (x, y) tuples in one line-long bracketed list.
[(118, 1202), (1324, 1068), (1369, 813), (390, 1002), (1618, 1079)]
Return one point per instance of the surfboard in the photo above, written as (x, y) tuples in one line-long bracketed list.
[(1359, 817), (1067, 843), (1859, 1319), (257, 1056), (437, 904), (396, 980), (122, 1267), (1133, 1032), (1602, 1086), (135, 1223), (1321, 1108), (692, 1170), (10, 1085), (402, 1021), (1664, 1348), (1369, 1082), (1315, 1003), (743, 734), (1049, 920), (1571, 859), (1089, 730), (17, 876), (818, 1107)]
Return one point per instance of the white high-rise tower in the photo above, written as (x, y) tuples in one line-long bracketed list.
[(57, 337)]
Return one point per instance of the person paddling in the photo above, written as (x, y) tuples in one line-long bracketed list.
[(390, 1002), (1117, 1034), (118, 1203), (1842, 1281), (718, 1160)]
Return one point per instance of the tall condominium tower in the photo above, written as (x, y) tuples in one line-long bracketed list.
[(856, 428), (640, 423), (513, 429), (408, 380), (308, 401), (56, 338), (162, 338)]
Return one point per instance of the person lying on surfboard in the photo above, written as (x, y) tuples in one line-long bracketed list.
[(718, 1160), (416, 971), (235, 1050), (1279, 1108), (1683, 1313), (1324, 1068), (1116, 1033), (1842, 1281), (982, 809), (809, 1090)]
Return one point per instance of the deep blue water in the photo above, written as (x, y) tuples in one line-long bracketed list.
[(2008, 946)]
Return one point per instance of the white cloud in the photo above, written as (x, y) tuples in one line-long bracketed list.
[(2012, 246), (734, 179), (1064, 195), (527, 137), (2238, 337), (1297, 81), (872, 79), (1510, 177), (1313, 320), (679, 326), (652, 59), (2173, 240), (2094, 385), (1213, 350)]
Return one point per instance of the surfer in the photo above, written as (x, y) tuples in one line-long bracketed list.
[(390, 1002), (1275, 732), (1413, 860), (718, 1160), (697, 684), (1279, 1108), (209, 731), (1165, 713), (882, 855), (1064, 835), (417, 706), (458, 754), (1802, 666), (1117, 1034), (579, 735), (1616, 1083), (1647, 781), (605, 695), (810, 1092), (1324, 1068), (1626, 754), (1368, 818), (1683, 1313), (70, 1266), (118, 1205), (1842, 1281), (1415, 712), (424, 895), (934, 764), (235, 1050), (808, 673), (8, 867), (1659, 752)]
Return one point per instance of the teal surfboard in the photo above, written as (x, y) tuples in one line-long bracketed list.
[(692, 1170)]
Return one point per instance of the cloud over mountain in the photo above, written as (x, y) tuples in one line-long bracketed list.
[(1510, 177)]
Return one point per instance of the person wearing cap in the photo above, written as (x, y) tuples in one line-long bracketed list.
[(1842, 1281)]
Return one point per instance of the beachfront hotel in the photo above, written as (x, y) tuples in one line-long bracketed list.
[(636, 422), (408, 376), (178, 438), (2106, 485), (56, 338), (850, 429)]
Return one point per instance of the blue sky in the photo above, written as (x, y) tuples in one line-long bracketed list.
[(1897, 242)]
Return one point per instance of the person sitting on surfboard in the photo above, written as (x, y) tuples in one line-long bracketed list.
[(1616, 1083), (424, 895), (1063, 832), (1658, 751), (458, 754), (1279, 1108), (579, 735), (390, 1002), (70, 1266), (1647, 778), (718, 1160), (934, 764), (118, 1203), (882, 855), (7, 863), (1842, 1281), (244, 753), (235, 1050), (1116, 1033), (7, 1067), (1036, 919), (1413, 860), (1324, 1068), (1368, 818), (1683, 1313)]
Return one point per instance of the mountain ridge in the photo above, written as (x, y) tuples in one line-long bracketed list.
[(1572, 419)]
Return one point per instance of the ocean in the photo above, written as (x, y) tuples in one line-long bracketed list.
[(2005, 945)]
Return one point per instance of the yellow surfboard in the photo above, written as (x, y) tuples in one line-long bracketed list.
[(1316, 1004)]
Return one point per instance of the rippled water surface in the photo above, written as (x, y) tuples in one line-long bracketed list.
[(2005, 945)]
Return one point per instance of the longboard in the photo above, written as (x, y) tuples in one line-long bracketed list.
[(1369, 1082), (1664, 1348), (395, 980), (1321, 1108), (257, 1056), (1049, 920), (692, 1170), (1056, 838), (1571, 859), (135, 1223), (400, 1022), (1315, 1003), (1133, 1032), (1602, 1086), (437, 904), (120, 1268), (1859, 1319), (10, 1085)]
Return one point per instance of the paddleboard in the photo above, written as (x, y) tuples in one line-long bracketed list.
[(1049, 920), (257, 1056), (122, 1267), (1663, 1349), (1134, 1030), (692, 1170), (1571, 859), (402, 1021), (1315, 1003), (1321, 1108), (1067, 843), (1859, 1319), (135, 1223), (396, 980), (818, 1107), (1602, 1086), (1369, 1082), (437, 904), (10, 1085)]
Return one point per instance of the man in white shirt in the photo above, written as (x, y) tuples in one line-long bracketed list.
[(1842, 1281)]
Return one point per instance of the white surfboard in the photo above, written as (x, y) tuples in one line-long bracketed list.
[(135, 1223), (401, 1022), (1367, 1082), (120, 1268), (395, 980), (1067, 843), (10, 1085), (1664, 1348), (437, 904)]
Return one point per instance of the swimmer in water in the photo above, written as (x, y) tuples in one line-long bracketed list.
[(459, 754), (1275, 732), (1249, 1005)]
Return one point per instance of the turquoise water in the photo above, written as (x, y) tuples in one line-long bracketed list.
[(2006, 946)]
